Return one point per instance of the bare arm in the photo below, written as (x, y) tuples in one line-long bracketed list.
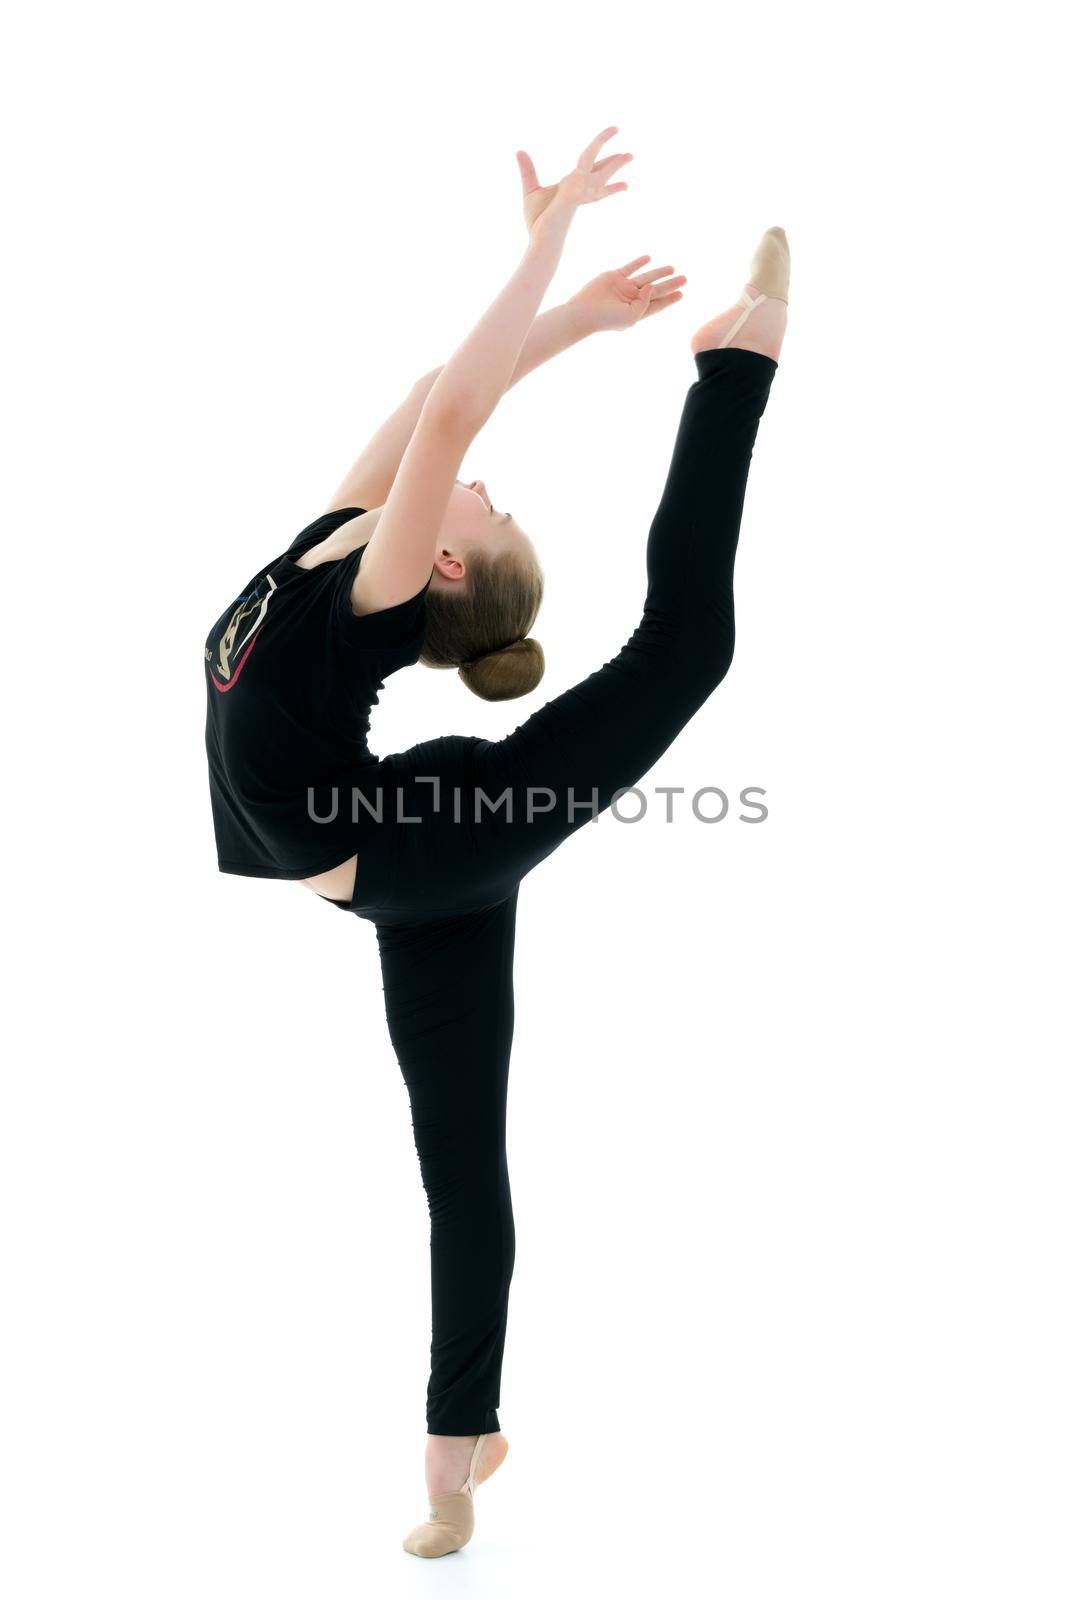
[(371, 476), (613, 300), (399, 557)]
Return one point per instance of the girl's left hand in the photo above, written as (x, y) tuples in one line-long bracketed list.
[(624, 297)]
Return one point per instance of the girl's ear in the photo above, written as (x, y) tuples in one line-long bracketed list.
[(450, 566)]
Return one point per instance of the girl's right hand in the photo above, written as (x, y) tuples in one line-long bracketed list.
[(548, 208)]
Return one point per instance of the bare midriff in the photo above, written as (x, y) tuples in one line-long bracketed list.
[(337, 884)]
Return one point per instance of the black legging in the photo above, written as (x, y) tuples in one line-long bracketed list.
[(442, 890)]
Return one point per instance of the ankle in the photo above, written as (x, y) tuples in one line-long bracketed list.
[(449, 1457), (762, 331)]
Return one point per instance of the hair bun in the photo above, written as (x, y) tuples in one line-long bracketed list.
[(507, 673)]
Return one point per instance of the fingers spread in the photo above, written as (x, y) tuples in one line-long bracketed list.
[(652, 275), (591, 151), (611, 163), (671, 284), (668, 300)]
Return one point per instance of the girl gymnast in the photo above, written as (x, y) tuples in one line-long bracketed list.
[(408, 563)]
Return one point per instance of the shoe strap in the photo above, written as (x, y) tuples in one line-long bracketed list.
[(750, 306), (476, 1456)]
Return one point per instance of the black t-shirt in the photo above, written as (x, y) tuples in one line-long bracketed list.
[(292, 674)]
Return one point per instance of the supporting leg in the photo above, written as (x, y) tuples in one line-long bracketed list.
[(449, 1005)]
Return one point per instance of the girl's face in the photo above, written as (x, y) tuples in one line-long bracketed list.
[(472, 519)]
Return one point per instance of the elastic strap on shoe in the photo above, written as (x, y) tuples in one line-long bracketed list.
[(750, 306)]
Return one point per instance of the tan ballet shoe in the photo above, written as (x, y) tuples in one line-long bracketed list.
[(769, 274), (451, 1521)]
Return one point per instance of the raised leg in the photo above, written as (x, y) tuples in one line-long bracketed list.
[(604, 734)]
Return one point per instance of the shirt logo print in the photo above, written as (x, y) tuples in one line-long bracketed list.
[(239, 636)]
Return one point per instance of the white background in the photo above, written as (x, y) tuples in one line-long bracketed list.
[(786, 1120)]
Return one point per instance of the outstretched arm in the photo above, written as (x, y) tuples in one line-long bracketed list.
[(399, 556), (612, 300)]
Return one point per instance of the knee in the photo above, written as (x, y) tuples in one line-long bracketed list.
[(692, 656), (463, 1159), (715, 656), (701, 633)]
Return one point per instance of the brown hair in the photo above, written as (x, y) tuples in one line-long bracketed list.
[(480, 626)]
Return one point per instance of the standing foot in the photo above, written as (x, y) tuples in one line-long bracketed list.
[(455, 1465)]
